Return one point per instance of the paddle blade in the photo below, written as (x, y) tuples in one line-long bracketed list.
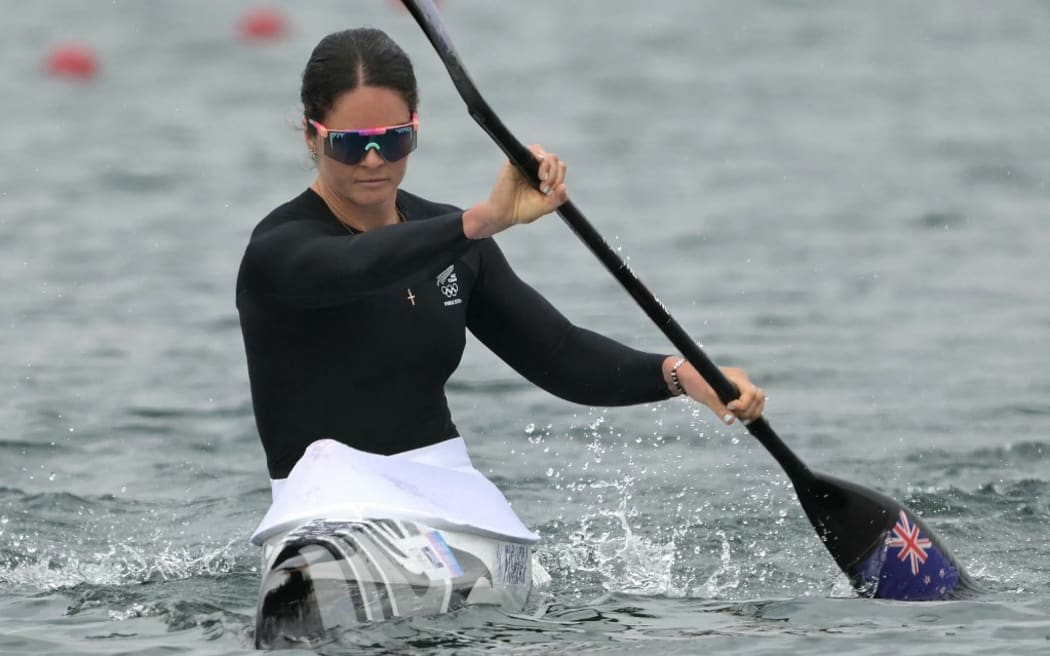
[(882, 546)]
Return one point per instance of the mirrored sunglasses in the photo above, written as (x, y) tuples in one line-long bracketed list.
[(392, 143)]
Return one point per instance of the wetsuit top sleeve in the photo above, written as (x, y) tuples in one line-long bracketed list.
[(533, 337), (304, 261)]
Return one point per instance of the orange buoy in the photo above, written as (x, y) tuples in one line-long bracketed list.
[(263, 24), (72, 60)]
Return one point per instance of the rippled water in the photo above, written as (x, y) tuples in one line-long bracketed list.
[(850, 200)]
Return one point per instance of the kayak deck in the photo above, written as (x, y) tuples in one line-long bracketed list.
[(329, 574)]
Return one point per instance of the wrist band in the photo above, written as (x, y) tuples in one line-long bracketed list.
[(674, 376)]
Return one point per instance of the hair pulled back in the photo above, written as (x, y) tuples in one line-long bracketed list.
[(346, 60)]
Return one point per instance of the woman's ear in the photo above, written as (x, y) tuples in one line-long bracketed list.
[(309, 138)]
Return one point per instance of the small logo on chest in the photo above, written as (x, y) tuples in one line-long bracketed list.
[(448, 283)]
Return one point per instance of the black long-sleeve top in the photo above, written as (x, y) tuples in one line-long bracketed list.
[(352, 336)]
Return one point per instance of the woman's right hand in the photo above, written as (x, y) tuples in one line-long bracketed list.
[(514, 200), (748, 406)]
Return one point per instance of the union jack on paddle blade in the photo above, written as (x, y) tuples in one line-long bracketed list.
[(909, 565)]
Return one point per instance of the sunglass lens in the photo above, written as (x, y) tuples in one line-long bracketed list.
[(397, 144), (346, 147)]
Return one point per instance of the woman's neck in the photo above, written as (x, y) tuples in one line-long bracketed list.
[(356, 217)]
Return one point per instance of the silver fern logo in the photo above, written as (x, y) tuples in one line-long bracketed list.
[(448, 283)]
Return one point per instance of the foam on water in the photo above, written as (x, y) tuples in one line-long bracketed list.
[(123, 564)]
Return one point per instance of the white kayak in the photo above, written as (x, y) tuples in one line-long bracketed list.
[(356, 537)]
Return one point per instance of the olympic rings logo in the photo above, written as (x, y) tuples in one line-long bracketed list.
[(450, 290)]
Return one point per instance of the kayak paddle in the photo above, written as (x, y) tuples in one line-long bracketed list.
[(881, 545)]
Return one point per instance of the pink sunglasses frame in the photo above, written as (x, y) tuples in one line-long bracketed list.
[(323, 132)]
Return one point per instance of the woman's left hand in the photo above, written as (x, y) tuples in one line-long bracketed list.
[(749, 405), (513, 200), (518, 201)]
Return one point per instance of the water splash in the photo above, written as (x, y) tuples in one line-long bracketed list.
[(624, 561), (121, 564), (724, 579)]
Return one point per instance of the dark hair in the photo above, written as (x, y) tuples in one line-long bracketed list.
[(343, 61)]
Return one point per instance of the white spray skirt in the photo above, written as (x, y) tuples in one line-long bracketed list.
[(435, 485)]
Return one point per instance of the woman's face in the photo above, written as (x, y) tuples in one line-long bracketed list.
[(373, 181)]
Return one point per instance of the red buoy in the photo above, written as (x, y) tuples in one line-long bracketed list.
[(72, 60), (263, 24)]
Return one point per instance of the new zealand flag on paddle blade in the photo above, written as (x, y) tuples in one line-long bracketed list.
[(909, 565)]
